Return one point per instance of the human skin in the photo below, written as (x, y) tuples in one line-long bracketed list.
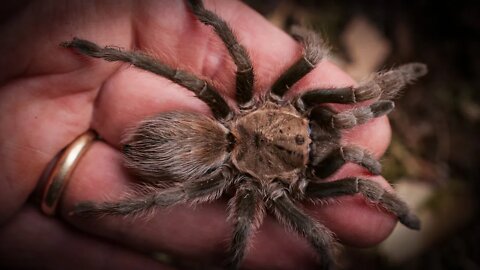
[(49, 95)]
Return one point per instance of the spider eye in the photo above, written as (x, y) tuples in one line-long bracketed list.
[(299, 139)]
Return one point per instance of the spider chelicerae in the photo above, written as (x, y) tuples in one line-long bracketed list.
[(271, 153)]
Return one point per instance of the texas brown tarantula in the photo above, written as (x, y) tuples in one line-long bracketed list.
[(271, 152)]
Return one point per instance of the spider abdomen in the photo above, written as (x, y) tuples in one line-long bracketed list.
[(271, 142), (176, 145)]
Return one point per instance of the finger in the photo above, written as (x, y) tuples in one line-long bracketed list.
[(31, 240), (131, 95), (202, 232), (181, 230), (374, 136), (354, 220), (33, 129)]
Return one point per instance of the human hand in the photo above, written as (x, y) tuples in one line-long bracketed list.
[(50, 95)]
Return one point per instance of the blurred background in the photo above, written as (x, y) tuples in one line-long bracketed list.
[(433, 160)]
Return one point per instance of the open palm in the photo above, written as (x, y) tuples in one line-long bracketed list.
[(49, 95)]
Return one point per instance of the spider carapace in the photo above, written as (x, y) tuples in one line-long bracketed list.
[(271, 142)]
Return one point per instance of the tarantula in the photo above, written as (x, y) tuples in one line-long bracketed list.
[(272, 152)]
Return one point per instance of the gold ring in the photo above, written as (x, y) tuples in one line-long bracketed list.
[(62, 170)]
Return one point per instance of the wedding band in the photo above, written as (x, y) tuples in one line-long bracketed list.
[(62, 170)]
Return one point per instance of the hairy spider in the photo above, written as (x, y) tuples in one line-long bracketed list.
[(272, 152)]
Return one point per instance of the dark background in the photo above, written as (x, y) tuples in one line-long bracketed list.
[(433, 159)]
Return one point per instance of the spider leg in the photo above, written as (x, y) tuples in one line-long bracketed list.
[(204, 190), (325, 166), (370, 190), (350, 118), (247, 211), (244, 74), (319, 236), (201, 88), (313, 52), (384, 85)]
